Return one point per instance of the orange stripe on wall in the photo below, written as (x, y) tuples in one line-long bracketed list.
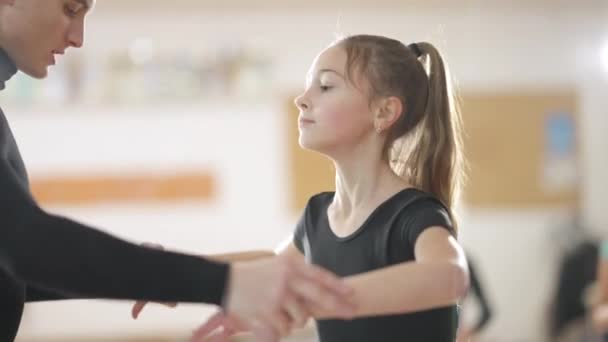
[(79, 190)]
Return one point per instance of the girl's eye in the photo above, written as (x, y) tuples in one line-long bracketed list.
[(72, 9)]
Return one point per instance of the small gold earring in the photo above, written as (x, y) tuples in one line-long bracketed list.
[(379, 129)]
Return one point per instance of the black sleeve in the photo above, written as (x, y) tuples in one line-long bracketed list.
[(486, 313), (299, 235), (423, 215), (34, 294), (70, 259)]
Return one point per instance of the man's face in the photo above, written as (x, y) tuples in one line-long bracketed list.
[(33, 32)]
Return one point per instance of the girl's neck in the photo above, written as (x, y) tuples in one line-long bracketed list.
[(363, 184)]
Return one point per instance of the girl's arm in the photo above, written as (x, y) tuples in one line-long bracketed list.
[(240, 256), (286, 247), (439, 277)]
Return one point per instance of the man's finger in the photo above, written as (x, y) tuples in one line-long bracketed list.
[(137, 307), (324, 277), (318, 296), (208, 327), (222, 336), (265, 333), (296, 311)]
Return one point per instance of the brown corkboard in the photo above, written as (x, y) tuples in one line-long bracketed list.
[(509, 153)]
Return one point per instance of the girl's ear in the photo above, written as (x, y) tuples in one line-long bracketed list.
[(388, 111)]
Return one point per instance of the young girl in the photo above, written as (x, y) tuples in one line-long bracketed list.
[(383, 112)]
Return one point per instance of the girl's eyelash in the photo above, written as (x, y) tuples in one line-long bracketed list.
[(71, 10)]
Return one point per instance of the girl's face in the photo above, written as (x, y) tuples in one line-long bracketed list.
[(335, 113)]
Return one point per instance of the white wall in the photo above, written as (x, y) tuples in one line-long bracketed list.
[(488, 47)]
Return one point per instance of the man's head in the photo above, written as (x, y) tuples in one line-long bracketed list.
[(32, 32)]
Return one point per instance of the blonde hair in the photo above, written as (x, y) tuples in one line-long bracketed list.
[(424, 146)]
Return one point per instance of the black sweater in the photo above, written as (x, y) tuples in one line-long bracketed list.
[(44, 256)]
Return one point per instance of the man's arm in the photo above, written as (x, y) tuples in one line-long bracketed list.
[(64, 258)]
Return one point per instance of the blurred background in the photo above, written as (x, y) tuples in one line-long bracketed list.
[(175, 125)]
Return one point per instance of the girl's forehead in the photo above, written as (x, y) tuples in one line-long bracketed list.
[(330, 58)]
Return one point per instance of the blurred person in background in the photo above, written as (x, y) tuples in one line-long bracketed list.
[(599, 312), (574, 294), (468, 332)]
